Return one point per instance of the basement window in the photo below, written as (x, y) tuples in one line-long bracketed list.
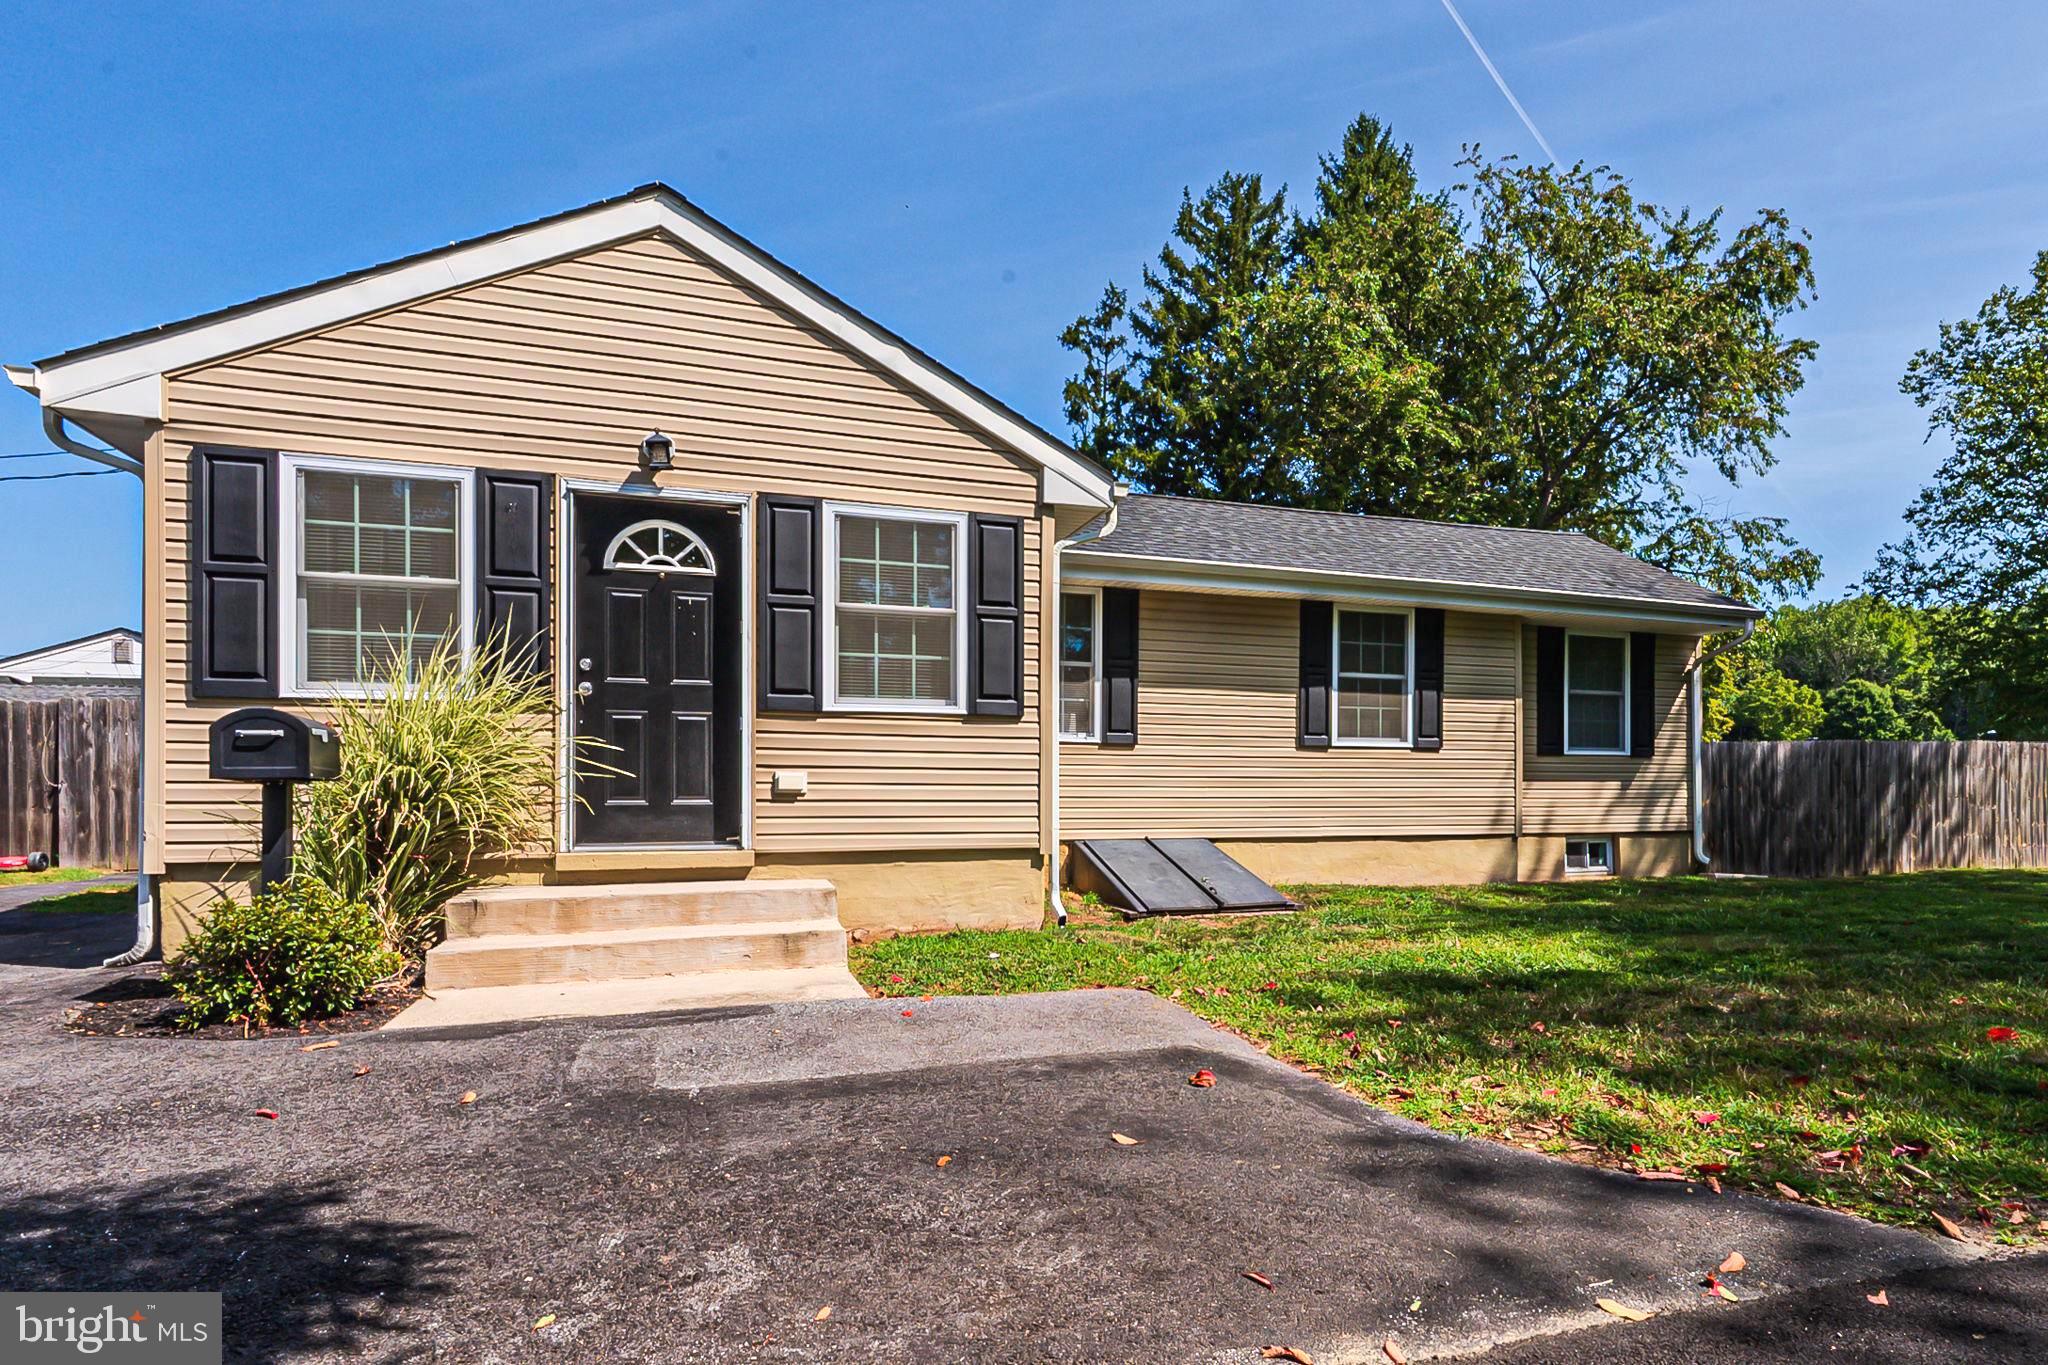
[(1589, 855)]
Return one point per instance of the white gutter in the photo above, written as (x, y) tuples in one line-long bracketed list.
[(1693, 726), (1059, 550), (145, 885)]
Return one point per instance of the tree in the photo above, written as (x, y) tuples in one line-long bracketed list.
[(1765, 704), (1978, 547), (1866, 637), (1862, 709), (1558, 355)]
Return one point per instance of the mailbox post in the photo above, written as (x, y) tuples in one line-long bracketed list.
[(275, 748)]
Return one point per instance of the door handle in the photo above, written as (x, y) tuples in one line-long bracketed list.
[(583, 690)]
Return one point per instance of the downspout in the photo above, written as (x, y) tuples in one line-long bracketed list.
[(1059, 906), (53, 427), (1694, 725)]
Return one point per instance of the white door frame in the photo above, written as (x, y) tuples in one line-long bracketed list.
[(565, 679)]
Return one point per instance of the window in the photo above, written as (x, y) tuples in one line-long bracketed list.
[(1080, 665), (659, 547), (377, 556), (1595, 694), (1589, 855), (1373, 677), (895, 634)]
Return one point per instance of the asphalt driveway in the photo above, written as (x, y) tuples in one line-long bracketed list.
[(702, 1186)]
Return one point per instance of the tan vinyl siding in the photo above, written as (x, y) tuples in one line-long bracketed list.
[(1612, 794), (1216, 754), (564, 368)]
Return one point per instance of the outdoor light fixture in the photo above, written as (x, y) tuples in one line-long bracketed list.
[(657, 452)]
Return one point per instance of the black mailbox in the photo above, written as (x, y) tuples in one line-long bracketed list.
[(276, 748), (257, 744)]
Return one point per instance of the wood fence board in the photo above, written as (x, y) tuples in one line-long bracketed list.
[(1836, 808), (68, 773)]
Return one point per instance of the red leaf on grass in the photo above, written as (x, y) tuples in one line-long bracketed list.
[(1348, 1034), (1909, 1149), (895, 980), (266, 1113), (1705, 1118), (1636, 1148), (1712, 1168), (1202, 1079), (1537, 1027), (2001, 1034), (1270, 986)]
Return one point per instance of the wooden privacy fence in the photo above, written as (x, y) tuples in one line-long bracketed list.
[(1840, 808), (68, 772)]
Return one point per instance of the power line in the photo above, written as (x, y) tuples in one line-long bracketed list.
[(67, 474), (1500, 81)]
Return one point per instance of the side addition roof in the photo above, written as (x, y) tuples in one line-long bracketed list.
[(1429, 559), (111, 385)]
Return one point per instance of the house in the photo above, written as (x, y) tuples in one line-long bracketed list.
[(846, 616), (107, 663)]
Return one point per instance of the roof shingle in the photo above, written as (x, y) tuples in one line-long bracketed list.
[(1492, 557)]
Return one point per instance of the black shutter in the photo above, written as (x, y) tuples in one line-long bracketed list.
[(1642, 686), (1429, 678), (233, 546), (1312, 712), (995, 632), (514, 520), (791, 619), (1550, 689), (1119, 667)]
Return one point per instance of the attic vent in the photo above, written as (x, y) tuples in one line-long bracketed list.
[(124, 650)]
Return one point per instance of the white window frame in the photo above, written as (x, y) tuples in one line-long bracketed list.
[(1627, 692), (1095, 687), (829, 604), (1603, 869), (291, 654), (1337, 614)]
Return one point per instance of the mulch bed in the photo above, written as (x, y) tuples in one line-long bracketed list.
[(142, 1006)]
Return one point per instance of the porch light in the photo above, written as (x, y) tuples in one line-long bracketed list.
[(657, 452)]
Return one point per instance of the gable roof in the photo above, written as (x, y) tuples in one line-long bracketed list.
[(50, 660), (120, 378), (1451, 557)]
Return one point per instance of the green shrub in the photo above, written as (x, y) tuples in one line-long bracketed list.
[(450, 768), (296, 952)]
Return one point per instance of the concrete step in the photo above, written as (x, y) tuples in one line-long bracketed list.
[(581, 909), (641, 995), (641, 951)]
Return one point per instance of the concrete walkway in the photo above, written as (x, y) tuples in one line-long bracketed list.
[(700, 1186)]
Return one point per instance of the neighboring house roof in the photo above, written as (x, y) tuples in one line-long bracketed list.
[(104, 657), (109, 385), (1451, 557)]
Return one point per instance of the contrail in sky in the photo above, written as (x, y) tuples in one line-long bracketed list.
[(1500, 81)]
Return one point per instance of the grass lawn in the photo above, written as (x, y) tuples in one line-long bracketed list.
[(55, 874), (106, 898), (1839, 1040)]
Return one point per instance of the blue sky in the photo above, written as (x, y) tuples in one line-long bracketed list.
[(972, 179)]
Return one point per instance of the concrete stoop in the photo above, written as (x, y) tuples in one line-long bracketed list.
[(534, 952)]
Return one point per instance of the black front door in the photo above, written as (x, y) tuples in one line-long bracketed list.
[(656, 674)]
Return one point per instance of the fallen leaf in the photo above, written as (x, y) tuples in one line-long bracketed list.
[(1256, 1278), (1122, 1140), (1661, 1175), (1788, 1191), (822, 1313), (1880, 1298), (320, 1047), (908, 1013), (362, 1071), (1705, 1118), (1537, 1027), (1393, 1023), (1203, 1079), (266, 1113), (1712, 1168), (1348, 1034), (925, 999), (895, 980), (1734, 1265), (1271, 986), (1285, 1353), (1393, 1352), (1900, 1149), (944, 1161), (468, 1097), (1713, 1184), (1622, 1310), (2001, 1034), (1723, 1292), (542, 1321), (1948, 1229)]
